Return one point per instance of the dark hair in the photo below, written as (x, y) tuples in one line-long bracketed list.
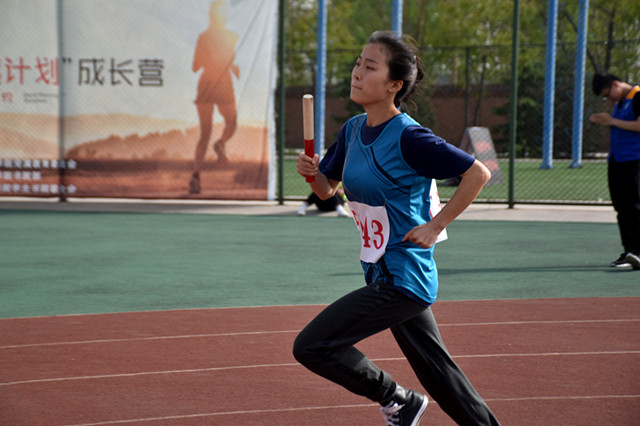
[(403, 61), (602, 81)]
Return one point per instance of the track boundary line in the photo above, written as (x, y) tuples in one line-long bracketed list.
[(333, 407), (295, 364), (226, 413), (142, 339), (249, 333), (304, 305)]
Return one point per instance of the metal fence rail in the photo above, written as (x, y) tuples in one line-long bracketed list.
[(469, 86)]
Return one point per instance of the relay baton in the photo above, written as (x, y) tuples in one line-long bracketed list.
[(307, 124)]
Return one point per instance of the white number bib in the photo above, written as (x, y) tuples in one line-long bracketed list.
[(436, 207), (373, 224)]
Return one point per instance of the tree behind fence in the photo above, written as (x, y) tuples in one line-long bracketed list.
[(449, 104)]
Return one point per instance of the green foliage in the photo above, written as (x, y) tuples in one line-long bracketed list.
[(467, 44), (456, 25), (530, 99)]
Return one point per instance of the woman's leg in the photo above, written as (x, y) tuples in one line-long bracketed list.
[(422, 344), (325, 346), (205, 114)]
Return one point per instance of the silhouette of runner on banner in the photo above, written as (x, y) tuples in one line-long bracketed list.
[(215, 55)]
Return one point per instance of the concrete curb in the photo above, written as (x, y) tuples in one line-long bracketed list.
[(477, 211)]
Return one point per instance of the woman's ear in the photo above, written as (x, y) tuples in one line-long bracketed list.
[(395, 86)]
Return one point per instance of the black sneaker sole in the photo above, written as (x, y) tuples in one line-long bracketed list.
[(620, 265), (633, 261)]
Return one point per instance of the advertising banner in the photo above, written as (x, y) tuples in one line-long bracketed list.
[(138, 99)]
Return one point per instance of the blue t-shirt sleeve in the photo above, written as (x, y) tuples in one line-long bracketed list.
[(431, 156), (332, 163)]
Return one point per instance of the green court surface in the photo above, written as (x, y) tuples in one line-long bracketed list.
[(57, 263)]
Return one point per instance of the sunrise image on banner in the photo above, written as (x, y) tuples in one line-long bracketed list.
[(142, 99)]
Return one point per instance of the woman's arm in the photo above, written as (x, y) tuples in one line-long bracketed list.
[(473, 180)]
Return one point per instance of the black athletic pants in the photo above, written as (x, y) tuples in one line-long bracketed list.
[(326, 347), (624, 187)]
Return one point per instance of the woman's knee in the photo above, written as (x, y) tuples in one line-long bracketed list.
[(306, 350), (301, 349)]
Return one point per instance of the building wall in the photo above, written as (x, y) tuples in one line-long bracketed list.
[(448, 105)]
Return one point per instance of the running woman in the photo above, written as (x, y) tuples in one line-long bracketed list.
[(386, 162)]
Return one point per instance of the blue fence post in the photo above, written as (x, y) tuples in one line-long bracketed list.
[(321, 61), (549, 86), (578, 87), (396, 16)]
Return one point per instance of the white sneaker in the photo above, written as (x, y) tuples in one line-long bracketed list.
[(303, 209), (342, 212)]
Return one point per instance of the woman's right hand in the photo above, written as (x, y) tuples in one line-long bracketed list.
[(307, 166), (322, 185)]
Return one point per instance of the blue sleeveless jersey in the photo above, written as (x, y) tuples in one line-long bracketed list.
[(377, 175), (625, 144)]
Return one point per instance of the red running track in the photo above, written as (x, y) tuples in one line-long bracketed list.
[(536, 362)]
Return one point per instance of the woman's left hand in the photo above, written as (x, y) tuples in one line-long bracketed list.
[(473, 180), (424, 235)]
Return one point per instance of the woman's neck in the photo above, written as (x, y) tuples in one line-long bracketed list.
[(379, 114)]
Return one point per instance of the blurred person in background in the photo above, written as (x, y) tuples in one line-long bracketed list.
[(623, 160), (335, 203)]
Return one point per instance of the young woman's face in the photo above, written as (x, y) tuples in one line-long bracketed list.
[(370, 82)]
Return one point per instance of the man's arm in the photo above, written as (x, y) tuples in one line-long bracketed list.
[(606, 120)]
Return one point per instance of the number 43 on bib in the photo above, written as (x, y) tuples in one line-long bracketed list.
[(373, 224)]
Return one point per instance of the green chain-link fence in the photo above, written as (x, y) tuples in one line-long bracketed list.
[(470, 86)]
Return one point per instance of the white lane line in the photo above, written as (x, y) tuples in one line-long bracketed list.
[(149, 373), (225, 413), (334, 407), (249, 333), (293, 364), (142, 339)]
